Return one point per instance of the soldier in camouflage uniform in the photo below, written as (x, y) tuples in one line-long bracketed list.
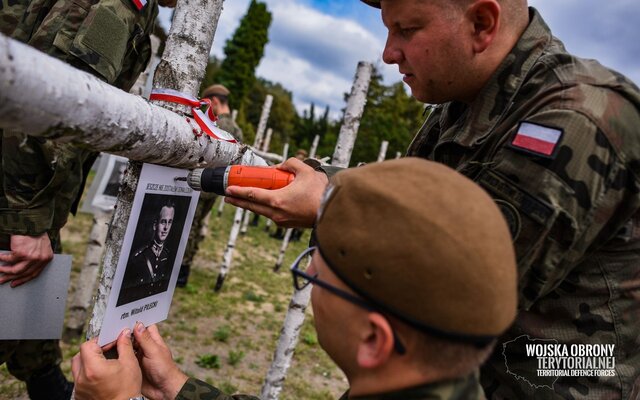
[(403, 322), (219, 96), (41, 181), (554, 140)]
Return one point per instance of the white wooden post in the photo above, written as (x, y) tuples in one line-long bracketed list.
[(398, 154), (383, 151), (234, 114), (314, 146), (300, 300)]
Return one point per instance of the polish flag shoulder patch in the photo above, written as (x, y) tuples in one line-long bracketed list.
[(139, 4), (537, 139)]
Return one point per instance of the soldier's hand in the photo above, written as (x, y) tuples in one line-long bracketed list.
[(98, 378), (28, 257), (162, 379), (293, 206)]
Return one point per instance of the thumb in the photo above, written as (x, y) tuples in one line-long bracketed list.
[(144, 339), (125, 347)]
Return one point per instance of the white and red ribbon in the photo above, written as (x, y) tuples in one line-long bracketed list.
[(206, 120), (139, 4)]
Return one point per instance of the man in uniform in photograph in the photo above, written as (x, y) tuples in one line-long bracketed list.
[(149, 269)]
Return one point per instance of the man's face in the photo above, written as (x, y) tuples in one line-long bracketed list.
[(163, 225), (334, 318), (215, 105), (428, 43)]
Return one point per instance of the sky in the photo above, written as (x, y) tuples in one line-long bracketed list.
[(315, 45)]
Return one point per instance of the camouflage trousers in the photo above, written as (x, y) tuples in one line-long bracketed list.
[(196, 235), (26, 357)]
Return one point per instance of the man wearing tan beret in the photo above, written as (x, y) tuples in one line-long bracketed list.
[(553, 138), (412, 319)]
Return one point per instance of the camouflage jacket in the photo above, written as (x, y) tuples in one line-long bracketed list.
[(226, 123), (40, 180), (571, 199), (467, 388)]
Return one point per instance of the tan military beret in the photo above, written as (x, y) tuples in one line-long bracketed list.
[(215, 90), (372, 3), (423, 243)]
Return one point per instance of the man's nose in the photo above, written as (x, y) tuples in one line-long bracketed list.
[(391, 54)]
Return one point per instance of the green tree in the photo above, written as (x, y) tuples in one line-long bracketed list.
[(243, 53)]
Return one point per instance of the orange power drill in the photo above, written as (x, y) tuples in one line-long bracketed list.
[(216, 180)]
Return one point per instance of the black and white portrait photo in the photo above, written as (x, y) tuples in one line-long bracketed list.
[(154, 246), (115, 179)]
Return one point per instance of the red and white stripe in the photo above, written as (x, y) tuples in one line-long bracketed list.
[(537, 138), (139, 4), (205, 120)]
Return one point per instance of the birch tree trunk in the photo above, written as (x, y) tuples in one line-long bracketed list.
[(295, 314), (181, 68), (314, 146), (283, 249), (352, 115), (267, 140), (227, 257), (383, 151), (398, 154), (86, 284)]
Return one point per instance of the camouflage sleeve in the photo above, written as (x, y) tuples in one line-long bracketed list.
[(560, 208), (195, 389)]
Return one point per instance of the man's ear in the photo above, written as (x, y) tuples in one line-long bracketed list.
[(376, 342), (484, 16)]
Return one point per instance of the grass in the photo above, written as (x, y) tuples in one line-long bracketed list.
[(242, 321)]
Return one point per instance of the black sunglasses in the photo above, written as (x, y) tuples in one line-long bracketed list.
[(301, 280)]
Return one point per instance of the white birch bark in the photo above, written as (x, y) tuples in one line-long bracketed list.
[(283, 248), (181, 68), (221, 206), (300, 300), (262, 123), (234, 114), (314, 146), (398, 154), (352, 115), (383, 151), (267, 140), (245, 222), (85, 286), (82, 109), (227, 257)]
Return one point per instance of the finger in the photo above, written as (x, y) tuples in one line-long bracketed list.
[(294, 165), (145, 340), (76, 367), (91, 353), (155, 335), (253, 194), (125, 347), (16, 268), (9, 258), (24, 279)]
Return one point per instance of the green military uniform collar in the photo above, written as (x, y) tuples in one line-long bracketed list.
[(466, 388), (496, 97)]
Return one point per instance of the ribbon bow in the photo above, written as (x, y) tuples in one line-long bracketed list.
[(206, 120)]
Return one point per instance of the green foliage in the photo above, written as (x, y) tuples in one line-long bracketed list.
[(310, 338), (235, 357), (243, 53), (222, 333), (250, 295), (209, 361)]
